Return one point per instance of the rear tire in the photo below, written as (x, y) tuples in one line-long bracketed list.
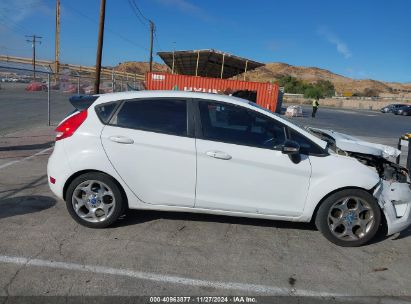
[(95, 200), (349, 218)]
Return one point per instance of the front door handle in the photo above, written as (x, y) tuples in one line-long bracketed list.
[(121, 139), (219, 155)]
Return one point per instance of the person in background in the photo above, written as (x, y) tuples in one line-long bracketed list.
[(315, 106)]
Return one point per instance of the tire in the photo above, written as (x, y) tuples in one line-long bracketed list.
[(349, 218), (95, 200)]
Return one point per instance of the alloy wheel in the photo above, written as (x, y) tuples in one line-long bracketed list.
[(93, 201), (350, 218)]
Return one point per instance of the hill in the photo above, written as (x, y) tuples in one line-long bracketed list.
[(140, 67), (312, 74), (274, 71)]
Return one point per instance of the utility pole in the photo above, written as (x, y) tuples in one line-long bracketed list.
[(151, 44), (174, 50), (57, 39), (33, 39), (100, 46)]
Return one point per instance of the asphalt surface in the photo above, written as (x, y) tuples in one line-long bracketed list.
[(373, 125), (44, 252), (21, 109)]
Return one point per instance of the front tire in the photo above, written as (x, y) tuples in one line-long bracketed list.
[(95, 200), (349, 218)]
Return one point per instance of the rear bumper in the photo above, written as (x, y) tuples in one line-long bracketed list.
[(395, 200), (59, 169)]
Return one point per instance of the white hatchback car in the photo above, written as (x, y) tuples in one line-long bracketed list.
[(206, 153)]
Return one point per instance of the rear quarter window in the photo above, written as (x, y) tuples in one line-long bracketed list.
[(105, 111)]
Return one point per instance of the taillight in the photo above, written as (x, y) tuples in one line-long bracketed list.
[(70, 125)]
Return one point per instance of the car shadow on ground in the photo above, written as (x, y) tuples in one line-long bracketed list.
[(403, 234), (28, 147), (134, 217), (20, 205)]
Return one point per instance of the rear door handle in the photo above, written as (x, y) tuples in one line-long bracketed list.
[(219, 155), (121, 139)]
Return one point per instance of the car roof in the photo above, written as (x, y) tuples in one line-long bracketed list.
[(166, 93)]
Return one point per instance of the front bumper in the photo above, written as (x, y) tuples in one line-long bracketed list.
[(395, 200)]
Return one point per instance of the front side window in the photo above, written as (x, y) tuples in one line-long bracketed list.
[(306, 146), (238, 125), (163, 115)]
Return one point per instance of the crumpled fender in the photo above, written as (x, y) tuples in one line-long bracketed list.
[(394, 199)]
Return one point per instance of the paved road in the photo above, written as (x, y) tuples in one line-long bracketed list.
[(21, 110), (44, 252), (385, 128)]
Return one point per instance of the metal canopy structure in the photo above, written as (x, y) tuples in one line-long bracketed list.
[(207, 63)]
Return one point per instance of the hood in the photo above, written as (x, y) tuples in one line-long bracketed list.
[(351, 144)]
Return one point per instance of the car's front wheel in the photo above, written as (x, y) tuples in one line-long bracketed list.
[(349, 217), (95, 200)]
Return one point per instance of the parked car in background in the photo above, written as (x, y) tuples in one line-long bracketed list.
[(391, 108), (207, 153), (294, 111), (405, 110)]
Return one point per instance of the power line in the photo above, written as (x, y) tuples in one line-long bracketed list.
[(11, 49), (12, 25), (136, 12), (134, 5), (156, 39), (140, 16), (106, 27)]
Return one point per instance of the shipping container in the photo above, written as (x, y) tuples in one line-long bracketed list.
[(264, 94)]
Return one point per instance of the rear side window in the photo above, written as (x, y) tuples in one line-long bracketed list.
[(163, 115), (105, 111)]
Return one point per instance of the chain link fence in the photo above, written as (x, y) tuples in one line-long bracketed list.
[(29, 99)]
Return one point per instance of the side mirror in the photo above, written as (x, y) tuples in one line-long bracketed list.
[(292, 149)]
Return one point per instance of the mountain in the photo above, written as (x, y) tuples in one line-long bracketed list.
[(276, 70), (312, 74), (140, 67)]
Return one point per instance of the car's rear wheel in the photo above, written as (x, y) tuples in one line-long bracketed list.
[(95, 200), (349, 217)]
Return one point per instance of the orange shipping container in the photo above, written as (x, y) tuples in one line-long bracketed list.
[(266, 93)]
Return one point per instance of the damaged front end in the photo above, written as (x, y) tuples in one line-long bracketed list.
[(395, 200), (393, 192)]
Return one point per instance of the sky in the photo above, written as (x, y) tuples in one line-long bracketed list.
[(367, 39)]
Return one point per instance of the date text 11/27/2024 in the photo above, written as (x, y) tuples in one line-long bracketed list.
[(199, 299)]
